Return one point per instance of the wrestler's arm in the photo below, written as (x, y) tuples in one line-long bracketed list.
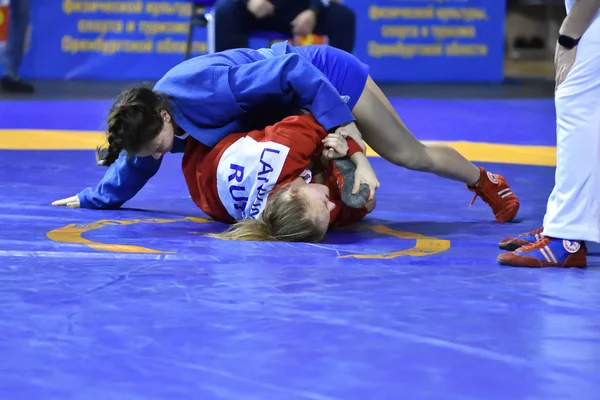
[(334, 149), (123, 180), (580, 17), (290, 78), (364, 173)]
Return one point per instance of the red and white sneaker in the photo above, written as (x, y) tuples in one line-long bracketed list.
[(494, 190), (513, 243), (548, 252)]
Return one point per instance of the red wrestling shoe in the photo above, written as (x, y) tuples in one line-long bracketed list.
[(513, 243), (494, 190), (547, 252)]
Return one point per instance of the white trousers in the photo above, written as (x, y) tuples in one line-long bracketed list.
[(573, 210)]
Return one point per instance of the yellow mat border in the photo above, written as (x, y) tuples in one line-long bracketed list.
[(37, 139)]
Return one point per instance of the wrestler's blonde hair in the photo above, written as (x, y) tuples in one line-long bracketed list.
[(284, 219)]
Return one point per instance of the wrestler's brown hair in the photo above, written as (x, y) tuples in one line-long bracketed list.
[(284, 219), (133, 121)]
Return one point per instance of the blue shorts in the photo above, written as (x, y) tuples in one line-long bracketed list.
[(345, 72)]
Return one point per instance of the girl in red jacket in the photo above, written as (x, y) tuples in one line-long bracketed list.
[(280, 183)]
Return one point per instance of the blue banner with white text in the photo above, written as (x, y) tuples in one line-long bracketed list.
[(401, 40), (429, 41)]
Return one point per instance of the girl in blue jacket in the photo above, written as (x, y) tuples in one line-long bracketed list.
[(212, 96)]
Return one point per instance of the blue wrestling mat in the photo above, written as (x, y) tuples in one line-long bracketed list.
[(137, 304)]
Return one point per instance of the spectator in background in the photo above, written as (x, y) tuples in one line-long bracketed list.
[(15, 48), (235, 19)]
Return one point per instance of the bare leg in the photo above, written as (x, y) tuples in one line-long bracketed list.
[(385, 132)]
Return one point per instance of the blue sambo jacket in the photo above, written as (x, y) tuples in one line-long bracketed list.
[(214, 95)]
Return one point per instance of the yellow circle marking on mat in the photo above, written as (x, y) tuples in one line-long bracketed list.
[(72, 233), (424, 246), (30, 139)]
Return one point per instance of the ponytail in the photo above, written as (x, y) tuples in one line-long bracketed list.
[(106, 156), (253, 230), (285, 218)]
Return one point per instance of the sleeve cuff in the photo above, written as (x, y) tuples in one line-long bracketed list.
[(83, 199), (334, 117), (353, 147)]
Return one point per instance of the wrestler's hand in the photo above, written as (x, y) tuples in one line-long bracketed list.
[(563, 61), (71, 202), (261, 8), (350, 129), (364, 174), (334, 146)]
